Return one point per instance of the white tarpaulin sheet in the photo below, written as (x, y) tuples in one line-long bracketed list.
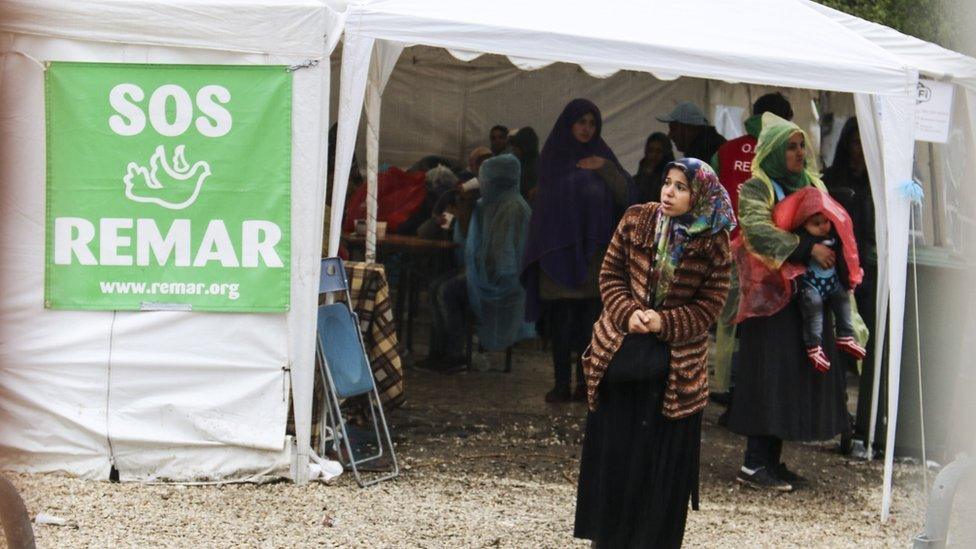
[(162, 395)]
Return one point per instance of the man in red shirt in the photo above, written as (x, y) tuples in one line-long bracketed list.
[(733, 162)]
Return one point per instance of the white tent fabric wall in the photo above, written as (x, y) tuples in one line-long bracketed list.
[(894, 132), (951, 204), (162, 395), (354, 76), (384, 61), (436, 104)]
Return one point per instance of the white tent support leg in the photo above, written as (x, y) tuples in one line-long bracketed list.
[(380, 68), (356, 52), (898, 169), (895, 119), (311, 85), (372, 159), (870, 131)]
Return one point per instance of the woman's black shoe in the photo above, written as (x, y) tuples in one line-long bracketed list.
[(785, 474), (559, 394), (762, 479)]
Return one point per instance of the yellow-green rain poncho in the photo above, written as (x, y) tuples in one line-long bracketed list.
[(758, 197)]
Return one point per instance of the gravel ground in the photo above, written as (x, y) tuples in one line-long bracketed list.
[(486, 464)]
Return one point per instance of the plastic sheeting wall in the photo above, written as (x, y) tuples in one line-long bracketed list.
[(166, 395), (436, 104)]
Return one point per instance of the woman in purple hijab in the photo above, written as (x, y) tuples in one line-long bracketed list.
[(582, 192)]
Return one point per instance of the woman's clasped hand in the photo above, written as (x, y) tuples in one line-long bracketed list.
[(644, 321), (591, 163)]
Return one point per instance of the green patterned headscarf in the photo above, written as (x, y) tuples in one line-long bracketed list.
[(711, 212), (769, 163), (757, 197)]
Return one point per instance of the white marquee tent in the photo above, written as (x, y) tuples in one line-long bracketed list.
[(158, 395), (81, 391), (819, 49)]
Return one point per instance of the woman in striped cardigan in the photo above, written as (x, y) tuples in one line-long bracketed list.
[(664, 280)]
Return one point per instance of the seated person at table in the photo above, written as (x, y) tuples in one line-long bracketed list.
[(452, 213), (430, 162), (475, 158), (489, 286), (493, 252), (456, 203), (440, 180)]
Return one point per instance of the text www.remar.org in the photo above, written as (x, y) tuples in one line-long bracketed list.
[(231, 290)]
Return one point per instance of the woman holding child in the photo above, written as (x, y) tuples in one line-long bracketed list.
[(664, 279), (786, 386)]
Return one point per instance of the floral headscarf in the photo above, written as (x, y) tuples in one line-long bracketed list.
[(710, 213)]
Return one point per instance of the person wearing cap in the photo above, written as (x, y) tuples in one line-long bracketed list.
[(733, 162), (690, 131)]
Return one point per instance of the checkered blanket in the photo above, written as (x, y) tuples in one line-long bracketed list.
[(371, 300)]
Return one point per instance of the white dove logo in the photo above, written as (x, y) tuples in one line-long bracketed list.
[(175, 192)]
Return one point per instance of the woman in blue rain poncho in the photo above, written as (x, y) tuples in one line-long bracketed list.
[(496, 241)]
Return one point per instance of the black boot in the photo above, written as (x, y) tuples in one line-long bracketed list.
[(559, 393)]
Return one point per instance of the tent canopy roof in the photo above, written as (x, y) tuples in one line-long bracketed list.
[(293, 28), (930, 59), (777, 42)]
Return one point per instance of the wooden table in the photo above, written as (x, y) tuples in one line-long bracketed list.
[(399, 243), (418, 258)]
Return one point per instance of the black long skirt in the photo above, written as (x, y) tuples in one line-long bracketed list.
[(777, 392), (638, 469)]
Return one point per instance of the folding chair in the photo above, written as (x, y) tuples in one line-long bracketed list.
[(345, 372)]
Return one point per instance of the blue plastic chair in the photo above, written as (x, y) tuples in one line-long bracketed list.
[(346, 373)]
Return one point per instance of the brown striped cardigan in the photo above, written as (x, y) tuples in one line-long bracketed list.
[(698, 292)]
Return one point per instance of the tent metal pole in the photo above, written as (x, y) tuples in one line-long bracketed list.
[(373, 99)]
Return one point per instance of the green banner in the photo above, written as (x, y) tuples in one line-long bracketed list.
[(168, 187)]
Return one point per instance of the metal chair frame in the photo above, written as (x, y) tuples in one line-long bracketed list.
[(332, 425)]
